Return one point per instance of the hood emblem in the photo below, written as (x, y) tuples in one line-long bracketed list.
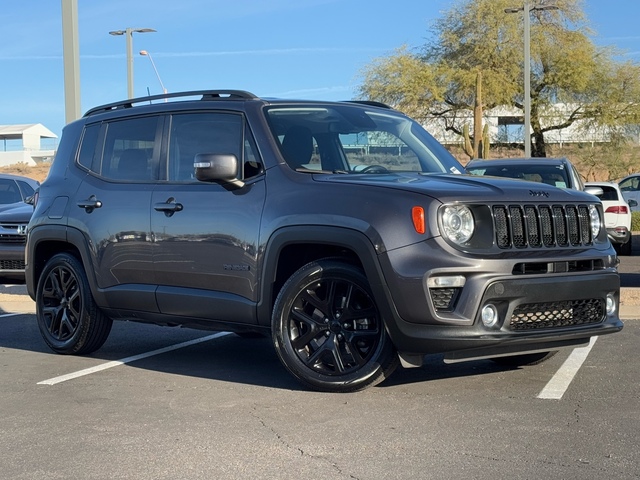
[(538, 193)]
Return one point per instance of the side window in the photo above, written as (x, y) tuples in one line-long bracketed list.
[(131, 150), (221, 133), (629, 185), (252, 163), (25, 188), (88, 146)]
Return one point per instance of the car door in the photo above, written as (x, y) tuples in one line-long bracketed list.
[(113, 207), (630, 188), (205, 235)]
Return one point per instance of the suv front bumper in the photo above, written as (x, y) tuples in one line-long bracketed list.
[(535, 311), (557, 297)]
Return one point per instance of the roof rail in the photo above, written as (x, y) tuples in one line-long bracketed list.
[(206, 95), (372, 103)]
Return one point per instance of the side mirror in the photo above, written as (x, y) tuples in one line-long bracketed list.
[(632, 203), (218, 168)]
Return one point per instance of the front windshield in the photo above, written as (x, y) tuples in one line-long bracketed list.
[(350, 138)]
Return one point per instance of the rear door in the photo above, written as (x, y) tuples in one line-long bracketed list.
[(206, 235), (113, 206)]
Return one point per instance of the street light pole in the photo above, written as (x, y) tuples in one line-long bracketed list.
[(145, 53), (527, 79), (527, 9), (128, 32)]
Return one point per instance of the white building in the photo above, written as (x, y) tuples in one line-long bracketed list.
[(506, 126), (22, 144)]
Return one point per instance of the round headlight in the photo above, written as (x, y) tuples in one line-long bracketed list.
[(457, 223), (594, 220)]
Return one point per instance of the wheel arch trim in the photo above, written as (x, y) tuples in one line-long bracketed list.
[(340, 237)]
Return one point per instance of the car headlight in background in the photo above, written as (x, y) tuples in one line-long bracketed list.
[(458, 223), (595, 221)]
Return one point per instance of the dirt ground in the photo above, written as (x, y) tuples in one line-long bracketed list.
[(39, 172)]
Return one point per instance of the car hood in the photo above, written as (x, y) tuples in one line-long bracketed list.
[(19, 212), (469, 188)]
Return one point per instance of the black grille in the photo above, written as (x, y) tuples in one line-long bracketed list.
[(13, 239), (533, 226), (12, 264), (557, 314)]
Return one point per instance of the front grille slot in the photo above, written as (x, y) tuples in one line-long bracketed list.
[(535, 226), (444, 299), (534, 316), (13, 239), (11, 264)]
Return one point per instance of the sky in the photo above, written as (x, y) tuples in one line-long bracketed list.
[(311, 49)]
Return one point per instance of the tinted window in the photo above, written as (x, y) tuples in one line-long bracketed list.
[(25, 189), (88, 147), (130, 150), (196, 133), (9, 192), (608, 193)]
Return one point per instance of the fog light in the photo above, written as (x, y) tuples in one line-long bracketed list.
[(611, 304), (490, 315)]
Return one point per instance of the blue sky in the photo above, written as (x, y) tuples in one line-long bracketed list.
[(312, 49)]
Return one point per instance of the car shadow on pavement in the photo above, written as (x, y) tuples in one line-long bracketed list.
[(229, 358)]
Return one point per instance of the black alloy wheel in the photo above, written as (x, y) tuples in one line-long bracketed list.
[(328, 331), (68, 318)]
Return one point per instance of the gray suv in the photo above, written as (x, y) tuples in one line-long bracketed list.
[(342, 230)]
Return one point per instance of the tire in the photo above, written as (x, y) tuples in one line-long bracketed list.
[(525, 359), (327, 329), (625, 248), (68, 318)]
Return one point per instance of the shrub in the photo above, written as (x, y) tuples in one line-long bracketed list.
[(635, 221)]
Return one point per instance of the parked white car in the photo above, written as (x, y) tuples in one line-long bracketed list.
[(617, 215)]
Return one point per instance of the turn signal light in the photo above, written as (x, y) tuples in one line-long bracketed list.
[(417, 216)]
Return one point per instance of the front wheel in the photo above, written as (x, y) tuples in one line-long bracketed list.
[(68, 318), (327, 329)]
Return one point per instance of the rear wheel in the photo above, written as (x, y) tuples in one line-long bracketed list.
[(68, 318), (526, 359), (328, 331)]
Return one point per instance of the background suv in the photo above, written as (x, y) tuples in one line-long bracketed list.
[(558, 172), (617, 215), (16, 207), (342, 230)]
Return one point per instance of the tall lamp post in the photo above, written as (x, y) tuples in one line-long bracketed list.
[(129, 34), (147, 54), (527, 9)]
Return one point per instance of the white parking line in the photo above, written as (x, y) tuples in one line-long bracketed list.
[(117, 363), (555, 388)]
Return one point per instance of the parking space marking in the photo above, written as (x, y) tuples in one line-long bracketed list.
[(117, 363), (555, 388)]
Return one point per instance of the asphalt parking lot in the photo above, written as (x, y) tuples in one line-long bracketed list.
[(163, 403)]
